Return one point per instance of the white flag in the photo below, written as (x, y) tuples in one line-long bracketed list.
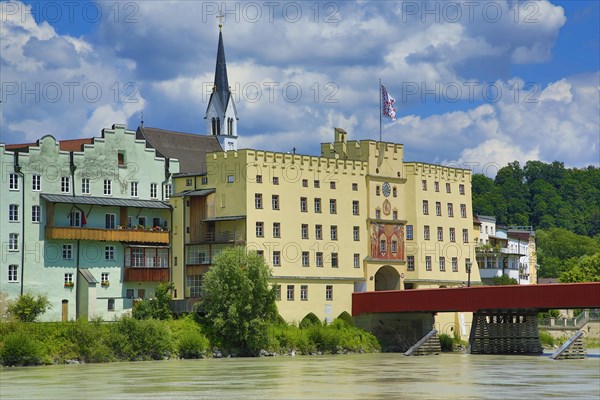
[(388, 109)]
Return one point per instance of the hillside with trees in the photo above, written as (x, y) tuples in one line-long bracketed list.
[(563, 206)]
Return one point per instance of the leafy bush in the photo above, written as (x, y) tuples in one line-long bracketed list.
[(21, 349), (347, 318), (157, 307), (28, 308), (445, 342), (137, 340), (546, 339), (309, 320), (192, 345)]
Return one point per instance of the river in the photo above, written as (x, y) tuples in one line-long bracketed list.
[(361, 376)]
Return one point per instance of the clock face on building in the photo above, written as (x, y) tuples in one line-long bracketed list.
[(386, 189)]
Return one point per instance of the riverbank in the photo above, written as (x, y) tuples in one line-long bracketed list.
[(129, 339)]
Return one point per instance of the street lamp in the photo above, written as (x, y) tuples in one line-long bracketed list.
[(468, 264)]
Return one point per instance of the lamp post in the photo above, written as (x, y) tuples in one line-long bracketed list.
[(468, 264)]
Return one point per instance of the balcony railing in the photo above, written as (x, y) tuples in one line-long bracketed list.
[(146, 275), (109, 235), (224, 237)]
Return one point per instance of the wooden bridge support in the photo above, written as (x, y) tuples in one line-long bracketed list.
[(505, 332)]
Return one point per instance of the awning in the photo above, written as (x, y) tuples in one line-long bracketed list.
[(199, 192), (87, 275), (231, 218), (104, 201), (148, 245)]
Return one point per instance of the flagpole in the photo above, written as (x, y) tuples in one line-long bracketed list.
[(380, 109)]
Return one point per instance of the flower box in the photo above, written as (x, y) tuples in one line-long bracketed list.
[(69, 284)]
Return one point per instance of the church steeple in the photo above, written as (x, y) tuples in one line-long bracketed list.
[(221, 114)]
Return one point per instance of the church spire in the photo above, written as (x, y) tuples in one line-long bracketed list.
[(221, 85)]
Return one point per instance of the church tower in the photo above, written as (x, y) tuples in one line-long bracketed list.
[(221, 115)]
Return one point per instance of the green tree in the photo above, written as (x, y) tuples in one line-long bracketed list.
[(28, 308), (157, 307), (587, 269), (238, 302)]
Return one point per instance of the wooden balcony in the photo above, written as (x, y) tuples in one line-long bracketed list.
[(146, 275), (108, 235)]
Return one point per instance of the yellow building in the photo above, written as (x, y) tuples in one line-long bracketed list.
[(348, 221)]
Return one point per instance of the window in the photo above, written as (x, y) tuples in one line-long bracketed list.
[(67, 251), (168, 190), (258, 200), (13, 213), (134, 189), (111, 305), (276, 230), (304, 231), (109, 253), (65, 185), (318, 232), (121, 158), (75, 218), (317, 205), (442, 264), (356, 233), (110, 221), (427, 263), (436, 186), (356, 260), (85, 186), (36, 182), (465, 236), (454, 264), (378, 214), (377, 190), (452, 235), (275, 201), (304, 182), (328, 292), (355, 208), (13, 242), (332, 185), (355, 187), (395, 215), (129, 293), (424, 184), (426, 232), (107, 187), (189, 181), (303, 204), (142, 221), (410, 263), (303, 292), (13, 273), (334, 260), (317, 183), (204, 180), (438, 208), (450, 210), (425, 207), (230, 179), (36, 212), (69, 279), (305, 258), (258, 178), (409, 232), (319, 259), (104, 277), (394, 246), (260, 229), (13, 181), (290, 292), (382, 246), (461, 189), (278, 292), (275, 180), (156, 222), (277, 258), (153, 190), (440, 233), (447, 187), (332, 206), (463, 211), (260, 253), (394, 192), (333, 232)]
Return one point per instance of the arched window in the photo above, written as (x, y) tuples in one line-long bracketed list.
[(230, 126), (214, 126), (218, 126)]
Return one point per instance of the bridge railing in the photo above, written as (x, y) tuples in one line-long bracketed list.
[(577, 322)]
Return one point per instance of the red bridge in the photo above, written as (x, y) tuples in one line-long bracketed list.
[(504, 317)]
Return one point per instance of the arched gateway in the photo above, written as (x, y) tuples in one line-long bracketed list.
[(387, 278)]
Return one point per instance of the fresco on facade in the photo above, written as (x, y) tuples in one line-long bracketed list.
[(387, 241)]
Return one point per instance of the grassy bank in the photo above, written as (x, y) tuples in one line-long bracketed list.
[(129, 339)]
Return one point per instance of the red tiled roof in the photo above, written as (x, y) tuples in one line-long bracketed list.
[(65, 145)]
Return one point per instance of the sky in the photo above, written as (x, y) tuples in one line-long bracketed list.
[(477, 84)]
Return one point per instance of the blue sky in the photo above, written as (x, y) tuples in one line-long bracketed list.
[(476, 84)]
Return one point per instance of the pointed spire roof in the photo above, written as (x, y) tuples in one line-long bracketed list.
[(221, 85)]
